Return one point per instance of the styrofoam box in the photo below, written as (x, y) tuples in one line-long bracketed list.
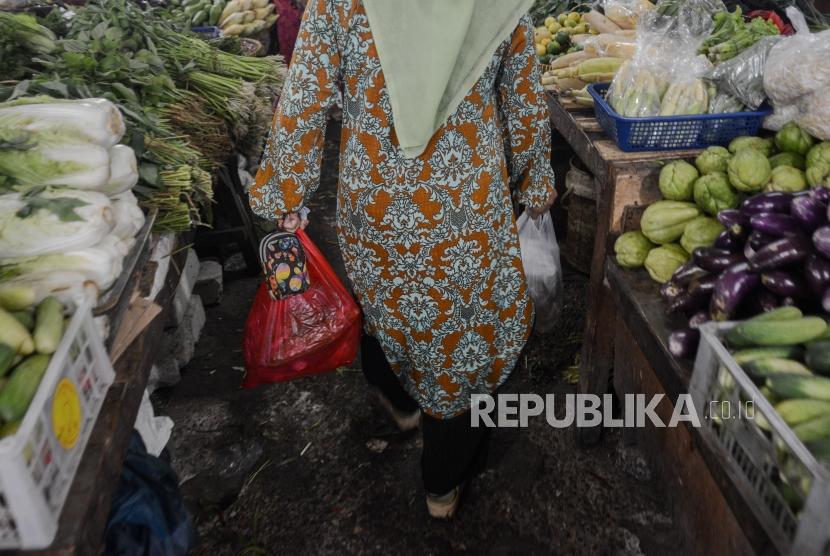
[(773, 466), (38, 463)]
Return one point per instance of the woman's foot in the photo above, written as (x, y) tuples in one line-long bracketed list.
[(405, 421), (444, 506)]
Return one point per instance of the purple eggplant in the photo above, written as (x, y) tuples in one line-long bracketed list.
[(698, 319), (788, 302), (731, 288), (735, 222), (690, 301), (779, 254), (809, 212), (821, 239), (704, 285), (714, 259), (825, 300), (766, 300), (821, 194), (683, 343), (759, 240), (748, 252), (671, 290), (817, 272), (774, 201), (729, 242), (781, 282), (687, 272), (774, 224)]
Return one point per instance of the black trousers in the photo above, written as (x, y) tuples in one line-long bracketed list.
[(453, 451)]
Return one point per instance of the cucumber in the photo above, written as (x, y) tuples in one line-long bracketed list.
[(820, 449), (7, 356), (782, 313), (814, 429), (769, 395), (779, 332), (48, 325), (796, 386), (16, 298), (797, 411), (14, 334), (748, 355), (18, 392), (26, 318), (216, 12), (199, 18), (9, 429), (818, 356), (189, 3), (762, 368)]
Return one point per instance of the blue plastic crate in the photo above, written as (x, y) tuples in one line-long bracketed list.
[(211, 32), (673, 132)]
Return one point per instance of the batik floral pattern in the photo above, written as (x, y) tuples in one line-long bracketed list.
[(429, 243)]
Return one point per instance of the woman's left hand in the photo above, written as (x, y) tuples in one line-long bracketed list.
[(536, 212)]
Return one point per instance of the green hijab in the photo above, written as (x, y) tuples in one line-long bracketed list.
[(432, 53)]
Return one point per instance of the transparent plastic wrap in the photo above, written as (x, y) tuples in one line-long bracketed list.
[(615, 45), (664, 76), (685, 17), (626, 13), (798, 65), (687, 94), (781, 117), (797, 76), (742, 77), (814, 115)]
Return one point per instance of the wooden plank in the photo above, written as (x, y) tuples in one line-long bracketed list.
[(702, 515), (588, 124), (579, 140), (642, 312), (609, 152), (84, 517)]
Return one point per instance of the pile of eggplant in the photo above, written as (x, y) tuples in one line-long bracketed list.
[(775, 252)]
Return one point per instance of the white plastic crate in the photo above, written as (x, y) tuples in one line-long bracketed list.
[(38, 463), (775, 464)]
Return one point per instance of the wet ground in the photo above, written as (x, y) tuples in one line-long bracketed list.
[(313, 466)]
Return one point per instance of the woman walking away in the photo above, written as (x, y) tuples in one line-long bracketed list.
[(442, 112)]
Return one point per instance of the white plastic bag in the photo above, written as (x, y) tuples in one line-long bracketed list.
[(543, 270)]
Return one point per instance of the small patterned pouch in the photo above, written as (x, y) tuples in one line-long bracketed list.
[(284, 263)]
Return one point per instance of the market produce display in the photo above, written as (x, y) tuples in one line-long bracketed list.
[(672, 72), (68, 217), (787, 355), (235, 18), (554, 38), (29, 335), (188, 105), (736, 243), (598, 44)]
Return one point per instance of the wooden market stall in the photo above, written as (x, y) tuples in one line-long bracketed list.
[(84, 517), (627, 330)]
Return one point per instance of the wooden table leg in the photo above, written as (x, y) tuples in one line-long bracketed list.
[(598, 340)]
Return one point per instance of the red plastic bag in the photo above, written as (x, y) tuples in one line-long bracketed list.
[(303, 334)]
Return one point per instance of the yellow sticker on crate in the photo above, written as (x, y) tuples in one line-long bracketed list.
[(66, 414)]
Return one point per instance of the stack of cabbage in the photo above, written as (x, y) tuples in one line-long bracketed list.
[(246, 18), (67, 215)]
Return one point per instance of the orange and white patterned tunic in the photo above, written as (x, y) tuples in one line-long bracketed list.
[(429, 243)]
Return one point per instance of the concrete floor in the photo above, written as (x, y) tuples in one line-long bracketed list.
[(313, 466)]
